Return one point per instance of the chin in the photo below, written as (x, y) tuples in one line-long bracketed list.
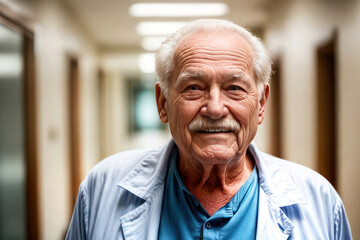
[(215, 154)]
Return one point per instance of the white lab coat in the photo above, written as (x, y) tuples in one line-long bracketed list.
[(122, 198)]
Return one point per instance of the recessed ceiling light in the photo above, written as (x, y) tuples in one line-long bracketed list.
[(158, 28), (178, 9), (152, 43)]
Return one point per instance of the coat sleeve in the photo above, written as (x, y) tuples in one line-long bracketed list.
[(342, 226), (78, 226)]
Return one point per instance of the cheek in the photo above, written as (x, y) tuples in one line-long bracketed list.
[(178, 121), (246, 114), (186, 111), (242, 115)]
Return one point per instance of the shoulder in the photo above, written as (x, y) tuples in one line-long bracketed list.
[(299, 174), (274, 164), (124, 161), (315, 189), (306, 197), (114, 168)]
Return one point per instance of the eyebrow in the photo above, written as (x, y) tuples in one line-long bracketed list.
[(239, 77), (228, 76), (236, 76), (191, 75)]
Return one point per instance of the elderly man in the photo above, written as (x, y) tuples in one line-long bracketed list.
[(210, 181)]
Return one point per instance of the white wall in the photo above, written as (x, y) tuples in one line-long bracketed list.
[(295, 30), (114, 115), (59, 35), (349, 116)]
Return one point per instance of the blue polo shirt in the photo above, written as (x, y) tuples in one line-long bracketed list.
[(183, 217)]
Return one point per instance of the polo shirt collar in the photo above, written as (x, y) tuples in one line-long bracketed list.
[(232, 206)]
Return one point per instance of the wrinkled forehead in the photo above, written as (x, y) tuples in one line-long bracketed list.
[(225, 48), (214, 39)]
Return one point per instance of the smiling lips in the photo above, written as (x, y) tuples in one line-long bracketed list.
[(215, 131)]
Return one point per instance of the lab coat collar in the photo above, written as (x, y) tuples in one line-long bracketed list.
[(146, 181), (277, 190), (149, 174)]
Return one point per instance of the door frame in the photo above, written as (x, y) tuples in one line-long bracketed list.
[(327, 127), (16, 22), (276, 144), (74, 106)]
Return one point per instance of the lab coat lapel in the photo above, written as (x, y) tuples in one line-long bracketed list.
[(143, 222), (276, 190), (272, 224), (146, 181)]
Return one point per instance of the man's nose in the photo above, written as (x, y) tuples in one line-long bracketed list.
[(214, 107)]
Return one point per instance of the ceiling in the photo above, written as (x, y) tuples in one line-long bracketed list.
[(111, 26)]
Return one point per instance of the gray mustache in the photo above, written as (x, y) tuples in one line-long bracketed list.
[(203, 124)]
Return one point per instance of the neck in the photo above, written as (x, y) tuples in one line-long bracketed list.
[(215, 185)]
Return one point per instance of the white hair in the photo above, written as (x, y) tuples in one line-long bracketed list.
[(164, 58)]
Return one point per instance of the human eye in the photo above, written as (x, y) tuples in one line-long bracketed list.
[(193, 87), (193, 91), (235, 91), (234, 88)]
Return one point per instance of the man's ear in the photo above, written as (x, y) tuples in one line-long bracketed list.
[(160, 102), (263, 101)]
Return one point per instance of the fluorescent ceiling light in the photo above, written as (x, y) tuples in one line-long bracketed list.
[(152, 43), (178, 9), (158, 28), (147, 62)]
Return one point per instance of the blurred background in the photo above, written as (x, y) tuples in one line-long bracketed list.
[(77, 85)]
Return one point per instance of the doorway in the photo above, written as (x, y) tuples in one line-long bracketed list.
[(19, 218), (276, 110), (327, 110), (74, 128)]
